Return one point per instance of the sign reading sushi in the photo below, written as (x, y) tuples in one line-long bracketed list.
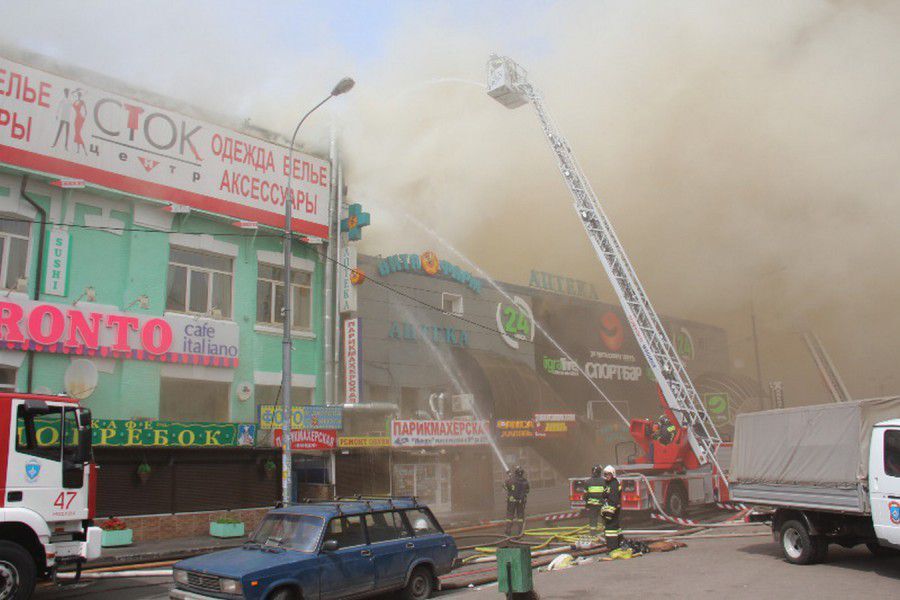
[(96, 330)]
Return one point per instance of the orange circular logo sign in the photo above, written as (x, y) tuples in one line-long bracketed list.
[(611, 331), (357, 276), (430, 263)]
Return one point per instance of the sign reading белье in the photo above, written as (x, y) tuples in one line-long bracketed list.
[(60, 126), (411, 434)]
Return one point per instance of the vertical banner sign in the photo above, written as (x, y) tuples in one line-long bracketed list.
[(346, 289), (352, 362), (57, 262)]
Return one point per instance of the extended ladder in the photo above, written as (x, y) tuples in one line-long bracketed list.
[(508, 84), (830, 375)]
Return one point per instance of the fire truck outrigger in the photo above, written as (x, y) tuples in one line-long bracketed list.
[(689, 464), (49, 490)]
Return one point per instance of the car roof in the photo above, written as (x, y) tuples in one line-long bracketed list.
[(327, 509)]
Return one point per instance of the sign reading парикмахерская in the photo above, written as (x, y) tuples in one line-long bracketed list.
[(412, 434), (65, 128)]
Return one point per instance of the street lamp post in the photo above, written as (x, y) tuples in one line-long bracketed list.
[(343, 86)]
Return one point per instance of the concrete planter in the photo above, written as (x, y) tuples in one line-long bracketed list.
[(226, 530), (121, 537)]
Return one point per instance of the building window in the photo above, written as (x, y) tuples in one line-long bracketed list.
[(270, 296), (452, 304), (13, 251), (186, 400), (199, 283), (7, 379), (267, 395)]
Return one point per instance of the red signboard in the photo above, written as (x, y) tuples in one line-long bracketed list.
[(73, 131), (308, 439)]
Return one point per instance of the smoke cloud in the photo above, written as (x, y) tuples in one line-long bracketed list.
[(746, 152)]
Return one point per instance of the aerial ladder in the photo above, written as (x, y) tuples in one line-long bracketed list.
[(508, 84), (830, 375)]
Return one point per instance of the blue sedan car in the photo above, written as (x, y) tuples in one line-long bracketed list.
[(325, 551)]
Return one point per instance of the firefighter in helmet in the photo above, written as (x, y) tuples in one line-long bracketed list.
[(517, 489), (594, 493), (611, 508), (665, 432)]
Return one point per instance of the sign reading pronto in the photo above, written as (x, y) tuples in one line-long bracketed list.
[(76, 331), (61, 126), (302, 417), (308, 439), (168, 434), (414, 434), (57, 262), (352, 361)]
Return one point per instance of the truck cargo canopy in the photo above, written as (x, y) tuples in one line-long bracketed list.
[(823, 445)]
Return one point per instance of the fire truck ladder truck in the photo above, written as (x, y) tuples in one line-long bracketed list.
[(508, 84)]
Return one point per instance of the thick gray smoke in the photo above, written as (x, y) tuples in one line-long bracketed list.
[(743, 150)]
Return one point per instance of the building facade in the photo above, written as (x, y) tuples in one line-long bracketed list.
[(140, 274)]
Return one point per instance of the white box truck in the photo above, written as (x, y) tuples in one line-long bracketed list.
[(829, 474)]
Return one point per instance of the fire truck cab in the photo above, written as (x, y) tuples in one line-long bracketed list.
[(49, 490)]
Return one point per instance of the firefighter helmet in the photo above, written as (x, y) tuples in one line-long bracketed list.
[(609, 470), (520, 471), (597, 471)]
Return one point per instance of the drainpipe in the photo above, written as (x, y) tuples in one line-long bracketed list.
[(328, 325), (36, 295), (336, 332)]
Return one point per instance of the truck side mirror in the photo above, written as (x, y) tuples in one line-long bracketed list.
[(330, 546)]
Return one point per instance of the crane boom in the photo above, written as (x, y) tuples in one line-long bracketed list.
[(508, 84)]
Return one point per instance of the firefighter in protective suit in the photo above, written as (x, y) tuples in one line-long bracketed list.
[(517, 489), (594, 495), (611, 508)]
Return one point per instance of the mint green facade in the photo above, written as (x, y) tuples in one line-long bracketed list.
[(130, 260)]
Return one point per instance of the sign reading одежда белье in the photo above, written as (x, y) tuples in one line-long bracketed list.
[(62, 126)]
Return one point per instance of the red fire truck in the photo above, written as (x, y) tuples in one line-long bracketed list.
[(49, 490), (671, 470)]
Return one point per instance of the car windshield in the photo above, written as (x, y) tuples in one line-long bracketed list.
[(297, 532)]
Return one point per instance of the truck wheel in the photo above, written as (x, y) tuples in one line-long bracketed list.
[(17, 572), (798, 546), (419, 586), (676, 501)]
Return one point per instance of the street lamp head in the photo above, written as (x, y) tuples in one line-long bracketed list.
[(343, 86)]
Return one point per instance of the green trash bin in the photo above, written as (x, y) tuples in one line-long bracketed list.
[(514, 570)]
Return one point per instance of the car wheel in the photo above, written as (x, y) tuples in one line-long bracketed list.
[(676, 501), (420, 585), (798, 546), (284, 594), (17, 572)]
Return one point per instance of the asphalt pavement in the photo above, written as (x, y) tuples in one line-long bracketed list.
[(745, 567)]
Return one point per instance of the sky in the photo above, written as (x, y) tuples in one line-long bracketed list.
[(745, 151)]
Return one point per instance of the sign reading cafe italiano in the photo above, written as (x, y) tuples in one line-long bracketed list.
[(58, 125)]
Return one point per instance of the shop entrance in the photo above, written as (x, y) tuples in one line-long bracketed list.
[(429, 482)]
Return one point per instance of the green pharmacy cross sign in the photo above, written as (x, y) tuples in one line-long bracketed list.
[(355, 221)]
